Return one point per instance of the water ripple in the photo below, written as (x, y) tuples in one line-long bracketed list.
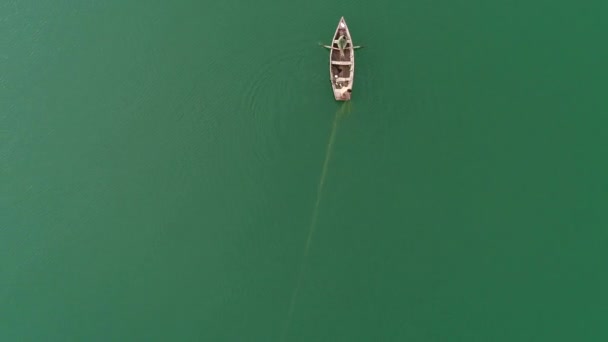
[(268, 97)]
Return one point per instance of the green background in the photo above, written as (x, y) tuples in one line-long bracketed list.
[(159, 165)]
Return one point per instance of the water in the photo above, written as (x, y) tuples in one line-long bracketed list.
[(172, 171)]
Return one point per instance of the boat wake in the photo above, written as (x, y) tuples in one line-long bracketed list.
[(340, 113)]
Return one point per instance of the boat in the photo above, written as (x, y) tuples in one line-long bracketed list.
[(342, 62)]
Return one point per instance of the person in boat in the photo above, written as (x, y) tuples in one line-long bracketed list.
[(342, 44)]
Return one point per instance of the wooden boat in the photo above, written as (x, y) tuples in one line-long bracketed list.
[(342, 62)]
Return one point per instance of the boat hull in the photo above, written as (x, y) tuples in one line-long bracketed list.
[(342, 62)]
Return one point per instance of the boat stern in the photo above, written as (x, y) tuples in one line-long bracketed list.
[(340, 95)]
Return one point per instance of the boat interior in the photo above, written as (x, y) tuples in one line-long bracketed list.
[(341, 65)]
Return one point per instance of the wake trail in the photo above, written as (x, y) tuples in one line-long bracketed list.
[(313, 221)]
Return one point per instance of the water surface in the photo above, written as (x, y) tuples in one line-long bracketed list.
[(160, 165)]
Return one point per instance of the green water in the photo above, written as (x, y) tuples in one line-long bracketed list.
[(164, 172)]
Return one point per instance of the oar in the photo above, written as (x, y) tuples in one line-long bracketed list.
[(328, 47), (335, 48)]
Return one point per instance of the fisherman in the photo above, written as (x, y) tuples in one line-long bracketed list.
[(342, 45)]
